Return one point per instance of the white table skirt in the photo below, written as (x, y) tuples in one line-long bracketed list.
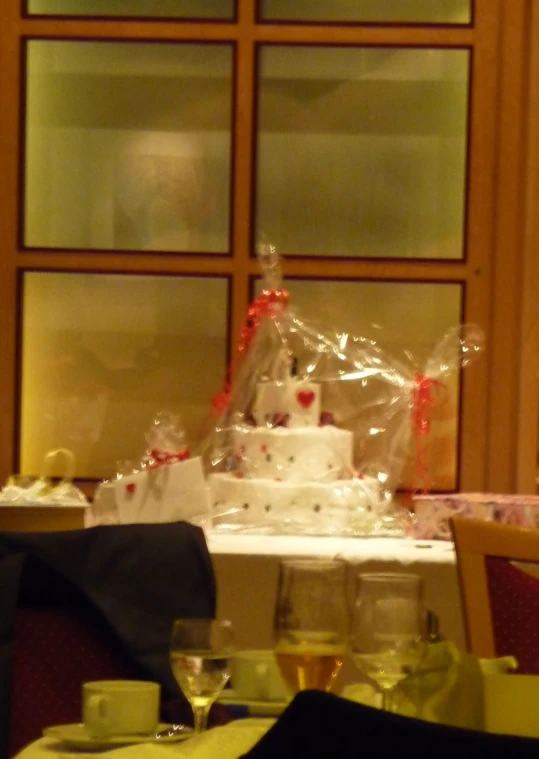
[(246, 569)]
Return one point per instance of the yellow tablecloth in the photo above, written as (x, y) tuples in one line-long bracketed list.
[(227, 742)]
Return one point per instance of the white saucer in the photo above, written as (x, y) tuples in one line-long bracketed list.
[(255, 708), (76, 736)]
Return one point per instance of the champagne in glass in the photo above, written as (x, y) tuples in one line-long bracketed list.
[(310, 663), (311, 623), (200, 652), (387, 639)]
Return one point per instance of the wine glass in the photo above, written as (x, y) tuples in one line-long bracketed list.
[(388, 638), (311, 622), (200, 651)]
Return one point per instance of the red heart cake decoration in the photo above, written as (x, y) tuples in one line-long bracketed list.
[(305, 398)]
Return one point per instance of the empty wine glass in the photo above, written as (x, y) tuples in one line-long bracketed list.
[(388, 638), (311, 622), (200, 651)]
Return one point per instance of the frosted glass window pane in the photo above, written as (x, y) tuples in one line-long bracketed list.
[(407, 320), (411, 11), (101, 354), (142, 8), (128, 146), (362, 151)]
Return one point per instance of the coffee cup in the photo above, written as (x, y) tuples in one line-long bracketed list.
[(256, 677), (120, 707)]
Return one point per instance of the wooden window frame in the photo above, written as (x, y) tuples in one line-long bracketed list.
[(498, 437)]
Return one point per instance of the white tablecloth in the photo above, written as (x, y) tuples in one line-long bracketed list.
[(402, 550)]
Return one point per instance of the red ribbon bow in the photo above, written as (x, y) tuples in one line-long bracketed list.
[(422, 403), (160, 458)]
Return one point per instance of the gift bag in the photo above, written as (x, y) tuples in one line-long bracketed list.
[(45, 490), (167, 485)]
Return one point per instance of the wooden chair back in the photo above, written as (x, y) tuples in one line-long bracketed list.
[(498, 568)]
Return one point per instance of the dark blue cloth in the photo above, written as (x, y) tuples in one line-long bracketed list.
[(319, 725)]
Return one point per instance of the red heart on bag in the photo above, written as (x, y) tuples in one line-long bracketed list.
[(305, 398)]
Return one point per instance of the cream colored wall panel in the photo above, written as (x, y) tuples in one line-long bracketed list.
[(128, 146), (207, 9), (361, 152), (102, 354), (415, 11)]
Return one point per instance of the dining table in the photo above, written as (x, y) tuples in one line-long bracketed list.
[(225, 742), (236, 738), (247, 565)]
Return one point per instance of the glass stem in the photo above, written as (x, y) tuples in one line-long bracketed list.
[(200, 713), (387, 699)]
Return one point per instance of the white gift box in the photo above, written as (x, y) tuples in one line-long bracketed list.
[(433, 512), (166, 493)]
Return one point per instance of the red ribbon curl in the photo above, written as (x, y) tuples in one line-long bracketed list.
[(268, 304), (422, 403)]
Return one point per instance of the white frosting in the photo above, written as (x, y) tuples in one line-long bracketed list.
[(295, 400), (343, 504), (291, 473), (319, 454)]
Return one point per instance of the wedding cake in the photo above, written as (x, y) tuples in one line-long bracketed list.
[(290, 465)]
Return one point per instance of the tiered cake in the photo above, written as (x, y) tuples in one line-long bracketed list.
[(292, 466)]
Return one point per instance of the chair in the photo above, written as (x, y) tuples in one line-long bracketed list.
[(88, 605), (320, 725), (55, 648), (498, 567)]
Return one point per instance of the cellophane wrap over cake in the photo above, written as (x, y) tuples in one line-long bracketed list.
[(311, 435)]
